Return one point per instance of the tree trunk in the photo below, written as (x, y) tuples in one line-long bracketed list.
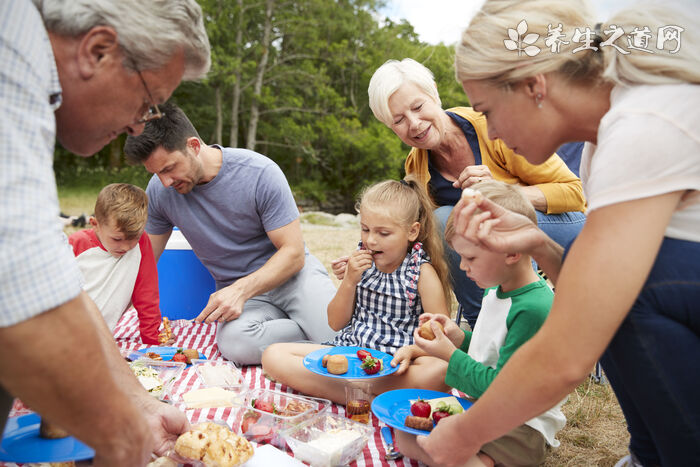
[(219, 116), (115, 153), (254, 105), (236, 101)]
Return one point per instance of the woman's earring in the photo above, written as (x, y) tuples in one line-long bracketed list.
[(538, 100)]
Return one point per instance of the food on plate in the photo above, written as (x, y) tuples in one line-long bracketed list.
[(209, 397), (426, 332), (371, 365), (439, 415), (469, 194), (191, 354), (166, 334), (324, 361), (448, 404), (51, 430), (149, 378), (219, 375), (362, 354), (153, 356), (180, 357), (421, 408), (214, 445), (337, 364), (418, 423), (358, 410)]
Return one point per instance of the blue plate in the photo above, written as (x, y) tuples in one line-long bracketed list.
[(392, 407), (313, 362), (21, 443), (166, 353)]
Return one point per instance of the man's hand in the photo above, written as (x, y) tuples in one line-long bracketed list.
[(224, 305), (440, 347), (338, 266), (447, 444), (359, 262), (472, 174), (166, 423)]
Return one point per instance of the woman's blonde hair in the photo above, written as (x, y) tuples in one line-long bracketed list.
[(390, 77), (482, 54), (406, 202)]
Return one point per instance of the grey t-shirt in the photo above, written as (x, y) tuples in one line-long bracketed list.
[(226, 220)]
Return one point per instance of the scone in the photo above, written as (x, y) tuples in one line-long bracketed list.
[(214, 445), (426, 332), (337, 364)]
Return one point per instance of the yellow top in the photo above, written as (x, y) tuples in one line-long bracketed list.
[(561, 187)]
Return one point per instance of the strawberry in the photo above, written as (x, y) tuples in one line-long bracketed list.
[(249, 419), (180, 356), (371, 365), (362, 354), (421, 408), (265, 406), (439, 415)]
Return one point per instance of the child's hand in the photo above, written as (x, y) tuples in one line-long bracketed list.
[(440, 347), (403, 358), (451, 330), (359, 262), (338, 266)]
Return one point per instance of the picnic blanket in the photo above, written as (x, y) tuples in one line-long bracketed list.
[(202, 337)]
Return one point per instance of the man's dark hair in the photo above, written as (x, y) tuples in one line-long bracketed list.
[(170, 132)]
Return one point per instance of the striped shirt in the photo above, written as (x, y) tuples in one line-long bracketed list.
[(37, 268), (387, 306)]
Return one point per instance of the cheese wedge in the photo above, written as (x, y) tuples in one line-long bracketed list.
[(450, 401), (209, 397)]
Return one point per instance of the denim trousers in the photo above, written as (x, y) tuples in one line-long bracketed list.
[(653, 361), (562, 228)]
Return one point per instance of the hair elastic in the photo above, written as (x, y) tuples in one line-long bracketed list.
[(404, 182)]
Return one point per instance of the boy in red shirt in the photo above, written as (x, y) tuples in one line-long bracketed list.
[(117, 261)]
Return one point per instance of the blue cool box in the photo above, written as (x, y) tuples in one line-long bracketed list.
[(183, 281)]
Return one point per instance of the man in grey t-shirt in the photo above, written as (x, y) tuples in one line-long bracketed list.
[(237, 212)]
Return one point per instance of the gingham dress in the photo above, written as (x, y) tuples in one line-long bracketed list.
[(387, 306)]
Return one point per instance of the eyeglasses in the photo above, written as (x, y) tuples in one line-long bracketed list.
[(152, 111)]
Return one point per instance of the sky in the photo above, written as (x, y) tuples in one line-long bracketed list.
[(443, 20)]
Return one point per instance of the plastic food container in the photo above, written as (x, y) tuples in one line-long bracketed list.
[(328, 440), (218, 374), (157, 377), (276, 411)]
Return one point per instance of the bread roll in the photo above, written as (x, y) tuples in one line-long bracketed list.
[(426, 332), (418, 423), (337, 364), (324, 361), (51, 431)]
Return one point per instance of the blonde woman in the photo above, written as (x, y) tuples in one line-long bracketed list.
[(630, 286)]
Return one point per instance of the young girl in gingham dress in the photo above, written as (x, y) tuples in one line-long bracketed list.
[(396, 274)]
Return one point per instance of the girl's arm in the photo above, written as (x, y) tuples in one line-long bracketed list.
[(601, 279), (340, 309), (430, 291)]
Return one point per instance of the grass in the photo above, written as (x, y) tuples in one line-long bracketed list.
[(595, 433)]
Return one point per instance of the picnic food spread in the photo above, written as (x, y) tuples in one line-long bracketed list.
[(426, 412), (214, 445), (219, 375)]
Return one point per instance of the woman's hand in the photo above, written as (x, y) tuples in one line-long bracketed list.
[(472, 174), (338, 266), (496, 228)]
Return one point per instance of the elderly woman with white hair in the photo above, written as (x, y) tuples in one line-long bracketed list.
[(453, 150)]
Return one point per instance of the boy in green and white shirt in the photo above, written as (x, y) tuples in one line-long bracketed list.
[(515, 305)]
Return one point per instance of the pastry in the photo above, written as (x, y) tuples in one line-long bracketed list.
[(426, 332), (166, 334), (418, 423), (214, 445), (324, 361), (191, 354), (51, 431), (337, 364)]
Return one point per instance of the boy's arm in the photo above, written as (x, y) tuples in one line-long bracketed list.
[(472, 377), (145, 296)]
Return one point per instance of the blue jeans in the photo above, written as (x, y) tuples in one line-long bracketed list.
[(653, 361), (562, 228)]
